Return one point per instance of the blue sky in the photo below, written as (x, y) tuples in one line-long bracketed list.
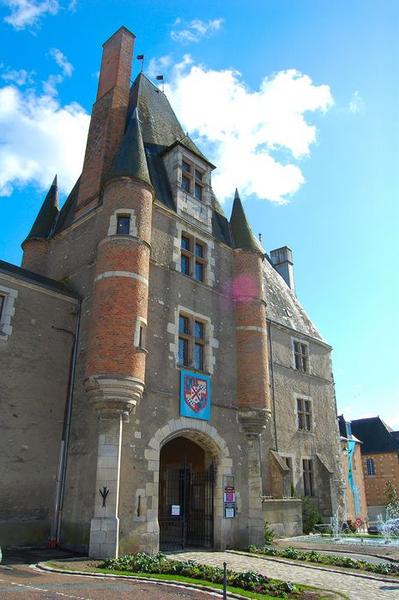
[(315, 82)]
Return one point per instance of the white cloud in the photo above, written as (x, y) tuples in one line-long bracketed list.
[(27, 13), (195, 30), (39, 137), (19, 77), (62, 61), (157, 66), (51, 83), (254, 137), (356, 104)]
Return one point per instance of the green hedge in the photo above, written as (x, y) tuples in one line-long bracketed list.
[(326, 559), (159, 563)]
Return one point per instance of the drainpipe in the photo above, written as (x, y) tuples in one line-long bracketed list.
[(55, 531), (272, 384)]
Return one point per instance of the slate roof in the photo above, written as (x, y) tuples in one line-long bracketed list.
[(240, 228), (130, 160), (283, 306), (47, 215), (375, 435), (9, 269)]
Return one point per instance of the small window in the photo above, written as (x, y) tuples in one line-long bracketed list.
[(301, 356), (198, 191), (370, 466), (198, 175), (308, 483), (142, 336), (123, 225), (185, 243), (304, 411), (186, 167), (185, 183), (191, 342)]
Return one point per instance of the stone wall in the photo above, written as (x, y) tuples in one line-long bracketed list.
[(284, 516), (35, 363)]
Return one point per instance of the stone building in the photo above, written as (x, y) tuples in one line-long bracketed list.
[(161, 384), (355, 491), (380, 458)]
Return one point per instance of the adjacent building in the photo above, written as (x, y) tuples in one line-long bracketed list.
[(161, 384), (380, 458)]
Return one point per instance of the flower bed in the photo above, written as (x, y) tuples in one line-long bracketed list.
[(249, 580), (326, 559)]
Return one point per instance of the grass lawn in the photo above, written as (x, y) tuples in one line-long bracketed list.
[(311, 593)]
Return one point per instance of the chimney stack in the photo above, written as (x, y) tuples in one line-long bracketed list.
[(282, 261), (108, 116)]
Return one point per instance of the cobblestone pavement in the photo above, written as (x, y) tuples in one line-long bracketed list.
[(21, 582), (356, 588)]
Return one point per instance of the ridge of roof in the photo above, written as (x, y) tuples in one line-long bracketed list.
[(47, 215), (241, 230), (130, 159)]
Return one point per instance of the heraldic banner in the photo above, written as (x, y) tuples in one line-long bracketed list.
[(195, 395)]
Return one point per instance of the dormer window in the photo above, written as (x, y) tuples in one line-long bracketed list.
[(192, 180)]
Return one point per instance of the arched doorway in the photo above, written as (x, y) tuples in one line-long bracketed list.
[(185, 508)]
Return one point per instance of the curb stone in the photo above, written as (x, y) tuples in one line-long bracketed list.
[(310, 565), (189, 586)]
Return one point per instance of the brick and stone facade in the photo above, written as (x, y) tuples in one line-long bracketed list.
[(116, 245)]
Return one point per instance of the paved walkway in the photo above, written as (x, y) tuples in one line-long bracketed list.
[(356, 588)]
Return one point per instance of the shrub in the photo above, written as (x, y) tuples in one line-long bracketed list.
[(159, 563), (269, 533), (327, 559), (310, 515)]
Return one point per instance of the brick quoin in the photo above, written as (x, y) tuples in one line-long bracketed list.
[(252, 345)]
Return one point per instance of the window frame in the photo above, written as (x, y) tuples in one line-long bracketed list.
[(195, 178), (128, 218), (193, 259), (300, 360), (370, 461), (308, 478), (303, 414), (192, 341), (9, 296)]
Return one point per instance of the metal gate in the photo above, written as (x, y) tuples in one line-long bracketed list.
[(185, 507)]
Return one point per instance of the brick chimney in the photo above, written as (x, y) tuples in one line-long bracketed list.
[(108, 116), (282, 261)]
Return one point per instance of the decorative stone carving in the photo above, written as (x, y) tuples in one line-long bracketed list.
[(111, 396), (253, 420)]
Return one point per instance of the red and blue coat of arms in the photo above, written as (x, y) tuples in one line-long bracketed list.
[(195, 395)]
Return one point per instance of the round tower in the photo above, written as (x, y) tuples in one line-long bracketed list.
[(253, 389), (115, 368)]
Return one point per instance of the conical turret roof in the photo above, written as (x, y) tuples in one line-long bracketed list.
[(47, 215), (130, 160), (240, 228)]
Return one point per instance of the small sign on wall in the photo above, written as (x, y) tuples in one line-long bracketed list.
[(175, 510), (195, 395), (229, 501)]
